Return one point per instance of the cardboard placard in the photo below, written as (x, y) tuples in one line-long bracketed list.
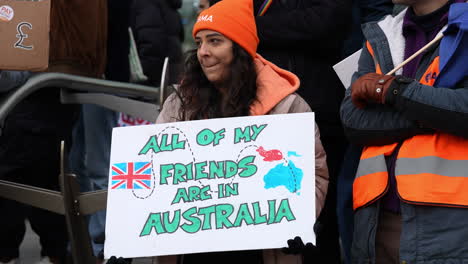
[(211, 185), (24, 31)]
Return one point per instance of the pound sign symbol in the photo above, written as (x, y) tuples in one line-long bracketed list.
[(22, 36)]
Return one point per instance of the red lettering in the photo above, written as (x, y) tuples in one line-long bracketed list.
[(6, 10)]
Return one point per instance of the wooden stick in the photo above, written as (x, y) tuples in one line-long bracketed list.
[(435, 40)]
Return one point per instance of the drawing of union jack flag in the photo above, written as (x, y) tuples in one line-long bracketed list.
[(131, 175)]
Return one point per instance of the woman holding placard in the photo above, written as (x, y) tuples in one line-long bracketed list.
[(225, 77)]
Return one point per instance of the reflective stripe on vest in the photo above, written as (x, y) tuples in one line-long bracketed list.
[(430, 169), (438, 165), (372, 171)]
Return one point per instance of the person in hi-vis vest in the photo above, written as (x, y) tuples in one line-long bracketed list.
[(410, 193)]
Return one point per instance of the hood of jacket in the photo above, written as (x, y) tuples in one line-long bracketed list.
[(273, 85)]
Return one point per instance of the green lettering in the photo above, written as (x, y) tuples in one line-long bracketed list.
[(205, 137), (240, 134), (232, 190), (151, 144), (257, 131), (164, 169), (247, 166), (243, 215), (259, 218), (284, 211), (176, 144), (220, 191), (223, 211), (195, 222), (218, 136), (181, 194), (194, 193), (200, 170), (189, 168), (272, 213), (216, 169), (179, 172), (204, 195), (164, 145), (171, 227), (207, 212), (231, 168), (154, 221)]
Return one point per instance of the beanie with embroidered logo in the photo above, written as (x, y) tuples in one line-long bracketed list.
[(234, 19)]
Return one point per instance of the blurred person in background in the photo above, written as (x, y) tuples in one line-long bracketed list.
[(409, 195), (158, 31), (202, 5), (306, 37), (363, 11), (10, 80), (32, 132), (90, 151)]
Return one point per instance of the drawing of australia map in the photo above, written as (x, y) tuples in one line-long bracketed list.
[(285, 173)]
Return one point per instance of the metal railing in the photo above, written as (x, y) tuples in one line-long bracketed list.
[(137, 100)]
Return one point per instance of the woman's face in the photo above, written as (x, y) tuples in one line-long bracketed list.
[(214, 52)]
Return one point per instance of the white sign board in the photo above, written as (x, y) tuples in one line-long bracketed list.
[(347, 67), (211, 185)]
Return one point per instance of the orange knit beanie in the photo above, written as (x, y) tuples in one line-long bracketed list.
[(234, 19)]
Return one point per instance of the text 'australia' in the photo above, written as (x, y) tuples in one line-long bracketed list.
[(218, 216)]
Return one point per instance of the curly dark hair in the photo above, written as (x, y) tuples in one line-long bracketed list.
[(201, 100)]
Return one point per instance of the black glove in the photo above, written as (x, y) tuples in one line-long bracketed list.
[(296, 246), (114, 260)]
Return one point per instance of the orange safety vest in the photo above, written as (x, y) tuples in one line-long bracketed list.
[(430, 169)]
